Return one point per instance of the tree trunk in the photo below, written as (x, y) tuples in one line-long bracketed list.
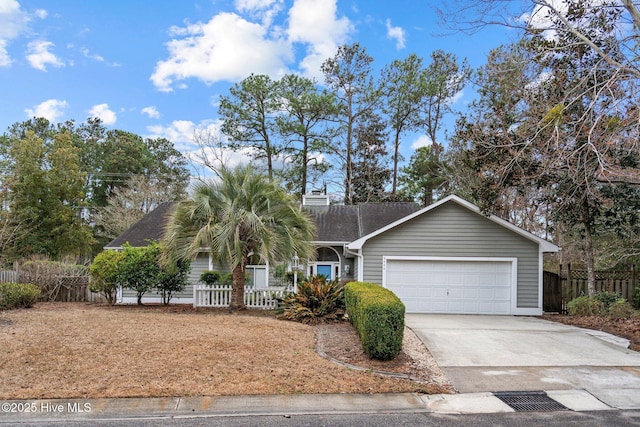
[(591, 263), (237, 288), (305, 165), (396, 160), (348, 196), (139, 298)]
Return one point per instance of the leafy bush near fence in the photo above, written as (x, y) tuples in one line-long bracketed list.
[(210, 277), (377, 314), (606, 298), (636, 297), (601, 304), (621, 309), (105, 274), (583, 306), (18, 295), (317, 299)]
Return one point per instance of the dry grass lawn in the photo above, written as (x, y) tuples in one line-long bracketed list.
[(76, 350)]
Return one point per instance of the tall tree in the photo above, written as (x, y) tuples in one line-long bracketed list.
[(404, 94), (127, 205), (371, 173), (122, 155), (46, 194), (442, 80), (568, 136), (424, 173), (349, 74), (248, 115), (305, 125), (244, 214)]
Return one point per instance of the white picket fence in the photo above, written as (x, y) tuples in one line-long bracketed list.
[(220, 296), (8, 276)]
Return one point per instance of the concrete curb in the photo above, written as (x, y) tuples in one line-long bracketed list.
[(60, 410)]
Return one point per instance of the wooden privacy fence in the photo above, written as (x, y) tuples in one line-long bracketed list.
[(55, 288), (560, 288), (220, 296)]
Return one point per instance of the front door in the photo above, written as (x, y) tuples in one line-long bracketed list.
[(324, 270)]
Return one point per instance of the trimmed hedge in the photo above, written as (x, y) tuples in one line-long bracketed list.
[(377, 314), (18, 295)]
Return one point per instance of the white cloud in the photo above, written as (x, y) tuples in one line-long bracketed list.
[(396, 33), (211, 151), (151, 112), (13, 22), (316, 24), (228, 47), (180, 132), (421, 141), (5, 59), (265, 10), (41, 13), (249, 5), (39, 56), (106, 115), (51, 109), (456, 97), (90, 55)]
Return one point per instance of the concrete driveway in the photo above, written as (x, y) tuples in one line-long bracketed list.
[(509, 353)]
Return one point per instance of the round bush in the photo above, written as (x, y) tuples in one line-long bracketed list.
[(18, 295), (621, 309), (584, 306)]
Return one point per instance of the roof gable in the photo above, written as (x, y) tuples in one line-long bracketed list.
[(544, 245), (149, 228)]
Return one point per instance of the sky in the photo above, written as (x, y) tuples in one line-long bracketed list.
[(158, 68)]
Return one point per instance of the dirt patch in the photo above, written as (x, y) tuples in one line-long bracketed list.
[(626, 328), (76, 350)]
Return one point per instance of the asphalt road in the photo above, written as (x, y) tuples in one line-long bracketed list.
[(521, 419)]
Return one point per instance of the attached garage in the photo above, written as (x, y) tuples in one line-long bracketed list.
[(451, 258), (455, 286)]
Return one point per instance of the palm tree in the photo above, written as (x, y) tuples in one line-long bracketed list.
[(243, 214)]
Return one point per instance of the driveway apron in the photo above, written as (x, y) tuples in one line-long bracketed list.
[(509, 353)]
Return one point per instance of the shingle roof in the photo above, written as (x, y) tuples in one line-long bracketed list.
[(149, 228), (376, 215), (346, 223), (335, 223)]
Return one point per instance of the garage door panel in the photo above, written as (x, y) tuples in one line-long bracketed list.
[(466, 287)]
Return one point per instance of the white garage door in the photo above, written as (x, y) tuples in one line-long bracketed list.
[(457, 287)]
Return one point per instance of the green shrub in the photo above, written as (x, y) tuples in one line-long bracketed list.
[(317, 299), (621, 309), (210, 277), (105, 274), (18, 295), (584, 306), (377, 314), (172, 280), (605, 299)]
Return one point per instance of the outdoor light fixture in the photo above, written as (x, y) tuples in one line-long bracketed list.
[(295, 266)]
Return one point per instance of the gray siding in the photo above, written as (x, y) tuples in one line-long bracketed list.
[(451, 230)]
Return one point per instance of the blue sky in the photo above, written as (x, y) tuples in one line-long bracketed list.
[(157, 68)]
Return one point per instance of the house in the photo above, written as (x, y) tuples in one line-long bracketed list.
[(446, 258)]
